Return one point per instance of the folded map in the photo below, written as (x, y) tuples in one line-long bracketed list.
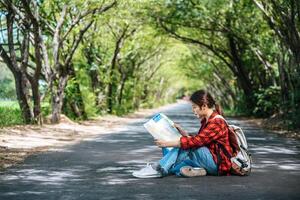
[(162, 128)]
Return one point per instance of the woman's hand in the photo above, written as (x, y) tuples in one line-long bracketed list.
[(181, 131), (163, 143)]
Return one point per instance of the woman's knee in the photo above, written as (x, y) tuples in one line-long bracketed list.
[(203, 151)]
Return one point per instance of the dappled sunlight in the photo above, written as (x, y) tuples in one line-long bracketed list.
[(284, 167), (131, 162), (112, 180), (279, 164), (41, 176), (104, 164), (113, 169), (144, 196), (146, 149), (79, 80), (57, 149), (112, 141), (46, 177), (290, 167), (273, 149), (256, 138), (117, 175), (23, 193)]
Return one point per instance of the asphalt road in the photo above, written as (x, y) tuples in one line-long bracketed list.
[(101, 169)]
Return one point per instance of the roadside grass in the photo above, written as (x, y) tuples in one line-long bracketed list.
[(10, 113)]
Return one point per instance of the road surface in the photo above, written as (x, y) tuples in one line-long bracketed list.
[(100, 168)]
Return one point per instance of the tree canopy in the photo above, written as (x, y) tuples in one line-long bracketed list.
[(85, 58)]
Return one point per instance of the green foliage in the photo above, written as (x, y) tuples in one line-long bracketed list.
[(7, 85), (10, 113), (142, 54), (74, 105), (267, 101), (46, 108), (240, 107), (88, 96)]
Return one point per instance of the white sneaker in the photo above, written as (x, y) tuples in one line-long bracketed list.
[(147, 172)]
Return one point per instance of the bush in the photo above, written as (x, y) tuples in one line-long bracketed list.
[(267, 101), (240, 107), (10, 113)]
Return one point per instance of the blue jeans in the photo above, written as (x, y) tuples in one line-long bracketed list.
[(173, 160)]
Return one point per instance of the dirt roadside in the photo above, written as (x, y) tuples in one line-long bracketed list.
[(274, 125), (18, 142)]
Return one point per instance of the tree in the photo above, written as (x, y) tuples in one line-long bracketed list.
[(117, 62), (283, 18), (63, 33), (15, 52)]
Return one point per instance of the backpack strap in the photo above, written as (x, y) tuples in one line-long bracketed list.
[(221, 117), (221, 147)]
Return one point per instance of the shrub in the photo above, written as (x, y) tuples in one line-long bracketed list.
[(10, 114), (267, 101)]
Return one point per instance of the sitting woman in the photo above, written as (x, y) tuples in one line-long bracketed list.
[(197, 155)]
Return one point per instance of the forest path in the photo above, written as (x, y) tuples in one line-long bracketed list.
[(101, 167)]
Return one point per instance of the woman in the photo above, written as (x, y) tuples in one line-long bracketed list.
[(200, 154)]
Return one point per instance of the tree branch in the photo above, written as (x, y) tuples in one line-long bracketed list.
[(202, 44), (9, 23), (56, 36), (81, 16)]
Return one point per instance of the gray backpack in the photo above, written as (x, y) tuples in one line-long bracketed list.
[(241, 158)]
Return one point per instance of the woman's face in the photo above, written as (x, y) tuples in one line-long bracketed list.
[(199, 112)]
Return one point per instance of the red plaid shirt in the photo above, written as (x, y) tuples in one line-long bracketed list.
[(212, 133)]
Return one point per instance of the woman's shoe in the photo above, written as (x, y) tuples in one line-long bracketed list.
[(192, 171), (147, 172)]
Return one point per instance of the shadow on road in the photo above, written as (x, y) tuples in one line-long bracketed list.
[(100, 168)]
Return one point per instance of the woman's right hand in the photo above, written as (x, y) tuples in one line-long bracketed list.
[(181, 131), (177, 126)]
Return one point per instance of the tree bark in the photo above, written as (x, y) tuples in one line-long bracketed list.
[(57, 93), (283, 83), (76, 102), (94, 73), (117, 49), (123, 80), (19, 71), (242, 77), (22, 95)]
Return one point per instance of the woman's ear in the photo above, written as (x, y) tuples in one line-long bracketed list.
[(203, 107)]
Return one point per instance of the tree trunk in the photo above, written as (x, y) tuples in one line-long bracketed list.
[(123, 81), (110, 97), (160, 89), (76, 100), (57, 98), (111, 85), (267, 67), (96, 85), (283, 83), (22, 95), (222, 79), (36, 101), (10, 59), (242, 77)]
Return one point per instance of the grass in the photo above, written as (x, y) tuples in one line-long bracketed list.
[(9, 103), (10, 113)]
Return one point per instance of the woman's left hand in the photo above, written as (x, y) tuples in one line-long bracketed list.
[(163, 143)]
